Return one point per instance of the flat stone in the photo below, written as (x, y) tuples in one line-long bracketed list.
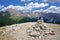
[(52, 33), (37, 29), (29, 31), (34, 34)]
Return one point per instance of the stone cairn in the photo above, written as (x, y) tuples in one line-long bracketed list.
[(39, 30)]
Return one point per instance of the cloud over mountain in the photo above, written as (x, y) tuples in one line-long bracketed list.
[(32, 5), (29, 6), (53, 9), (1, 6)]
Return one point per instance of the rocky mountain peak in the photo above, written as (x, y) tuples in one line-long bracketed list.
[(13, 12)]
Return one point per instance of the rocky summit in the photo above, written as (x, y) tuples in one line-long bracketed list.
[(31, 31), (40, 31)]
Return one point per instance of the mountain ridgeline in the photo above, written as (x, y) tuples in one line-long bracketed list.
[(7, 18), (12, 16), (52, 18)]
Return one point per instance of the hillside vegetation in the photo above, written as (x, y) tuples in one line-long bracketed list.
[(7, 19), (13, 17)]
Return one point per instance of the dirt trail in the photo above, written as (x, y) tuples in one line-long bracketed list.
[(19, 32)]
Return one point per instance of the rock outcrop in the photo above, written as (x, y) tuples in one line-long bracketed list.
[(39, 30)]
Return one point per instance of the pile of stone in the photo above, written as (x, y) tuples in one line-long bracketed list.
[(39, 30)]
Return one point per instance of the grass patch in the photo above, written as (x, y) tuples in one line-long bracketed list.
[(1, 33)]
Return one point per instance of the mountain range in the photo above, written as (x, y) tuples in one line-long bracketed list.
[(47, 16)]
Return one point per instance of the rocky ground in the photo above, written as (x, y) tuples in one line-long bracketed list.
[(21, 32)]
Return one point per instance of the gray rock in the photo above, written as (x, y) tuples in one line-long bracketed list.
[(34, 34), (39, 29), (29, 31)]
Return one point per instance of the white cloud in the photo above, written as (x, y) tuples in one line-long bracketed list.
[(36, 0), (41, 10), (1, 6), (25, 0), (37, 5), (28, 0), (5, 8), (32, 5), (13, 7), (16, 7), (45, 0), (19, 7), (29, 6), (51, 1), (53, 9)]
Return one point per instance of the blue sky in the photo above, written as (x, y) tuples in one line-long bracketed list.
[(22, 3), (11, 2), (36, 4)]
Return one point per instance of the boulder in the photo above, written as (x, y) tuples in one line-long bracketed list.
[(34, 34)]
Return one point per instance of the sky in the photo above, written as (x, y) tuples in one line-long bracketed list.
[(30, 5)]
